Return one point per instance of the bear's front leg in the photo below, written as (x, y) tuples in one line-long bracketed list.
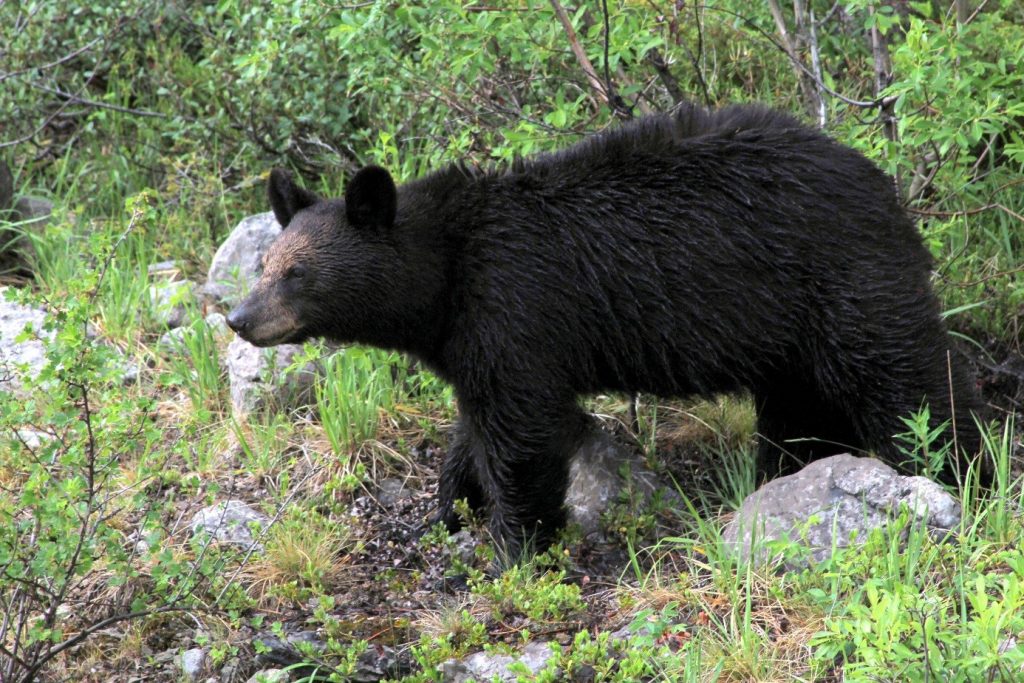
[(458, 478), (523, 466)]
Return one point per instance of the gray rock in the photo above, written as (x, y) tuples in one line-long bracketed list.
[(236, 265), (464, 546), (191, 663), (269, 676), (379, 662), (33, 212), (27, 215), (595, 479), (257, 378), (31, 352), (487, 666), (847, 496), (130, 372), (30, 217), (170, 302), (218, 324), (229, 522), (174, 340), (392, 490), (275, 651), (32, 438), (169, 270)]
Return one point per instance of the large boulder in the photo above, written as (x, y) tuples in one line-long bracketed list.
[(833, 502), (236, 265)]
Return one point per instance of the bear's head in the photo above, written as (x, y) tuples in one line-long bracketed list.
[(327, 272)]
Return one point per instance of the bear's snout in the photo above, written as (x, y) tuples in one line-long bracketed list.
[(239, 320)]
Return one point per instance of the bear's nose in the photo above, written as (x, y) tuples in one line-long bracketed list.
[(237, 320)]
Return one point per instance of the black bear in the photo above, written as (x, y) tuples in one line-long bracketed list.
[(687, 254)]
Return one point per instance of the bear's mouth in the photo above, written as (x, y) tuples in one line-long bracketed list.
[(293, 336)]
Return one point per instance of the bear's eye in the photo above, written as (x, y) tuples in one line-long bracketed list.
[(296, 272)]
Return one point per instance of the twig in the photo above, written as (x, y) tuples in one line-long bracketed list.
[(955, 214), (66, 58), (113, 250), (77, 99), (787, 42), (581, 57), (828, 15), (816, 66), (667, 79), (609, 86), (861, 104), (993, 276), (975, 13), (789, 47), (883, 76), (86, 632)]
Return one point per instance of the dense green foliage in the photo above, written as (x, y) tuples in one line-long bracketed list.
[(197, 99), (151, 125)]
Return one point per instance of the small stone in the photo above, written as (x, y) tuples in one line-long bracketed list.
[(34, 212), (392, 490), (229, 672), (165, 269), (218, 324), (488, 666), (32, 439), (129, 372), (464, 546), (229, 522), (170, 302), (269, 676), (173, 340), (191, 663), (257, 378), (274, 651)]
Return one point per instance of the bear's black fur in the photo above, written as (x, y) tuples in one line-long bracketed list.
[(686, 254)]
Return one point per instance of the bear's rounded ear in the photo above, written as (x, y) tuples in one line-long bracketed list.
[(371, 199), (287, 198)]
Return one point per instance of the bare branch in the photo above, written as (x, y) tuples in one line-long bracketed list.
[(577, 49), (602, 89), (812, 32), (665, 75), (44, 67), (71, 98)]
